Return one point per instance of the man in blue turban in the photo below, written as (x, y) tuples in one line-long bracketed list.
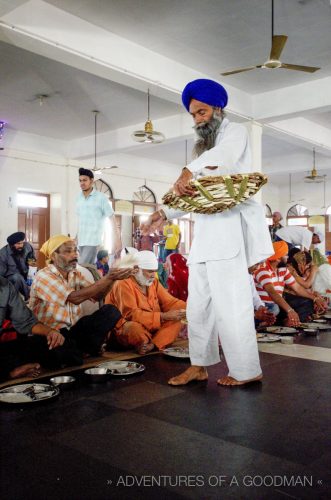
[(220, 304)]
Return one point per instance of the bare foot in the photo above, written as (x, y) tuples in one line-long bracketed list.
[(232, 381), (192, 373), (145, 348), (28, 370)]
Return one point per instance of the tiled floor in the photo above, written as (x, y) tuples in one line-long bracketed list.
[(140, 438)]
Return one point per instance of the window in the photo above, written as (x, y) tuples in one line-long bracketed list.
[(144, 194), (297, 211), (103, 187), (32, 200), (297, 216)]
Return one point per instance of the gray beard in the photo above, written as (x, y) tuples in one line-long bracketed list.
[(207, 133)]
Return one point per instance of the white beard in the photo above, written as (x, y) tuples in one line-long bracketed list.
[(142, 280)]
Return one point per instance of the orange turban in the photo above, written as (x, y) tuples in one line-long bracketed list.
[(280, 249)]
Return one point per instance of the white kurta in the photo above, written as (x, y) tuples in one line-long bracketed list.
[(220, 299), (296, 235)]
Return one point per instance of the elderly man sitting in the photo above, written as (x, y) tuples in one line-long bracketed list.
[(152, 315), (59, 289), (14, 262)]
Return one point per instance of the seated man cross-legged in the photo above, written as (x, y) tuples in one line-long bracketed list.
[(32, 343), (270, 280), (153, 316), (59, 289)]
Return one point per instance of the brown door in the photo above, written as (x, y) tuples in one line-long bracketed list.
[(35, 222)]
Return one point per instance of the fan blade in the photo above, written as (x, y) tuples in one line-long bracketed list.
[(238, 71), (278, 43), (307, 69)]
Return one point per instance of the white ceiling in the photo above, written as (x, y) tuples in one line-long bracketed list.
[(214, 36), (73, 95), (208, 36)]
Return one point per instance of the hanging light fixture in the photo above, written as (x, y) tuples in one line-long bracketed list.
[(96, 169), (314, 177), (148, 136)]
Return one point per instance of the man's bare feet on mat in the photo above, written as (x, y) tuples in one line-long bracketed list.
[(145, 348), (28, 370), (230, 381), (192, 373)]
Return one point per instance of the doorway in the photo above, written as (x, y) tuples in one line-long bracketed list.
[(34, 220)]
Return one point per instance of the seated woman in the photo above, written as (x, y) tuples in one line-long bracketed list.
[(177, 281), (304, 272)]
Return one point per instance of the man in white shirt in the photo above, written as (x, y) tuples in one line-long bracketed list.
[(220, 304)]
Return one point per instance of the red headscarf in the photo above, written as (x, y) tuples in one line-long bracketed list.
[(178, 276)]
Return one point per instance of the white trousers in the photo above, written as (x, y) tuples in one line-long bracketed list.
[(220, 306)]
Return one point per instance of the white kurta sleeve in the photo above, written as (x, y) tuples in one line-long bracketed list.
[(226, 154), (172, 213)]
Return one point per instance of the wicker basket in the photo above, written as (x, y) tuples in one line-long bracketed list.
[(218, 193)]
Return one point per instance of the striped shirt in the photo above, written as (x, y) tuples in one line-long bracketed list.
[(48, 297), (266, 275), (92, 211)]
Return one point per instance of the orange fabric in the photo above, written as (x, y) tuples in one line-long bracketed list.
[(135, 334), (280, 249), (127, 296)]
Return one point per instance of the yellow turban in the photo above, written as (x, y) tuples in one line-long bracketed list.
[(280, 249), (53, 244)]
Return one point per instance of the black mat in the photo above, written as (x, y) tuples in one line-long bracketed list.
[(137, 437)]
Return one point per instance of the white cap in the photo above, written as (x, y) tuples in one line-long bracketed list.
[(147, 260), (126, 250), (319, 234)]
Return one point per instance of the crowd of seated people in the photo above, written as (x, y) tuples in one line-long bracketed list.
[(145, 302), (299, 302)]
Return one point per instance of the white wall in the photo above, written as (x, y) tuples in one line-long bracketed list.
[(21, 170), (310, 195)]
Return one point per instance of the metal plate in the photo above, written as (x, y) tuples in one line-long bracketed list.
[(28, 393), (125, 368), (281, 330), (317, 326), (267, 337), (177, 352)]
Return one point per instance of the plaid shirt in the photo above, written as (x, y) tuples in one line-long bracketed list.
[(48, 297), (92, 212)]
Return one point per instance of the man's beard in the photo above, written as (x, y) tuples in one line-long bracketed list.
[(67, 266), (142, 280), (207, 133), (17, 251)]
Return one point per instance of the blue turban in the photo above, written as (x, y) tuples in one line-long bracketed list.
[(206, 91)]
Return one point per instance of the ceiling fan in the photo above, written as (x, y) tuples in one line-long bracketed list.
[(277, 45), (148, 135), (96, 169), (314, 177)]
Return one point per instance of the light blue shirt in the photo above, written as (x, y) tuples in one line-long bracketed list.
[(92, 212)]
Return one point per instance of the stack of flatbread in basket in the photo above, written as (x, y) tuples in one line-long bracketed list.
[(214, 194)]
